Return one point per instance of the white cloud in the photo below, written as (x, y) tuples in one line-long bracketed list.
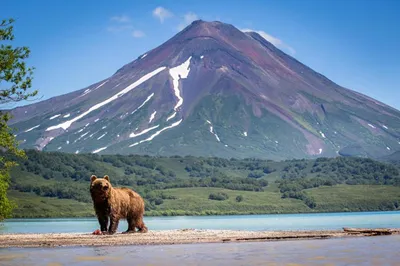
[(138, 34), (123, 24), (187, 19), (275, 41), (162, 13), (121, 19)]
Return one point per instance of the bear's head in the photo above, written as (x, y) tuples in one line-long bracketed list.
[(100, 188)]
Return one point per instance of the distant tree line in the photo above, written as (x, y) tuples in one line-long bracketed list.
[(66, 176), (299, 176)]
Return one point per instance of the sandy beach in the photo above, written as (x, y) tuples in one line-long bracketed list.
[(183, 236)]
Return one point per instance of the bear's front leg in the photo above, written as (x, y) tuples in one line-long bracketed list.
[(102, 217), (103, 221), (114, 220)]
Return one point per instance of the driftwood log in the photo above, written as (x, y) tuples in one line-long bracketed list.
[(376, 231)]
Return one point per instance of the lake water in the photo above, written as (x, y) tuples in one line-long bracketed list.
[(379, 250), (273, 222)]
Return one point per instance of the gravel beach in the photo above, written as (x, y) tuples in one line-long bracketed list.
[(183, 236)]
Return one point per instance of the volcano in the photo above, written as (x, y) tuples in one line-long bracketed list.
[(212, 90)]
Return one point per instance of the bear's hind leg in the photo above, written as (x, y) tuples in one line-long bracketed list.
[(131, 225), (141, 226)]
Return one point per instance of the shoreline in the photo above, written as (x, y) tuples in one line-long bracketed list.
[(181, 236), (188, 214)]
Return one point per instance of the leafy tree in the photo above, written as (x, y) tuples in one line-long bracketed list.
[(15, 80)]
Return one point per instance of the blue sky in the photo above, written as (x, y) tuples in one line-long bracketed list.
[(77, 43)]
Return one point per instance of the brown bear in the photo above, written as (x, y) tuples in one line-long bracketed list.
[(115, 203)]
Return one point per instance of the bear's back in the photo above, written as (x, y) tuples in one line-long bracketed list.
[(128, 201)]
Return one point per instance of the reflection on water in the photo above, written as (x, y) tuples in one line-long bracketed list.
[(382, 250), (317, 221)]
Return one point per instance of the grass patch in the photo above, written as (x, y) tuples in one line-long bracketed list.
[(32, 206), (356, 198)]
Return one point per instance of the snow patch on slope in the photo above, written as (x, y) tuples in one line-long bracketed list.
[(245, 134), (157, 133), (322, 134), (99, 150), (171, 116), (44, 143), (385, 127), (212, 131), (133, 135), (146, 77), (54, 116), (84, 134), (32, 128), (177, 73), (152, 116), (67, 115), (102, 136), (145, 101), (89, 90), (371, 126)]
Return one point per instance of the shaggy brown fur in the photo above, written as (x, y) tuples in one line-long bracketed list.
[(116, 203)]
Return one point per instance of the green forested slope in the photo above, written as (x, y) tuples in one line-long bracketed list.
[(52, 184)]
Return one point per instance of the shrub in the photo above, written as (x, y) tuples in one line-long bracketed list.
[(239, 198), (218, 196), (158, 201)]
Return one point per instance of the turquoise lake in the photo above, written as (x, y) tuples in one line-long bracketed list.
[(318, 221), (379, 250), (360, 251)]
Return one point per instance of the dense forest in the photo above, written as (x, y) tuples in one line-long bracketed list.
[(163, 182)]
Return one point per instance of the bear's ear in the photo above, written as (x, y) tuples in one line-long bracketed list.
[(92, 178), (106, 177)]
